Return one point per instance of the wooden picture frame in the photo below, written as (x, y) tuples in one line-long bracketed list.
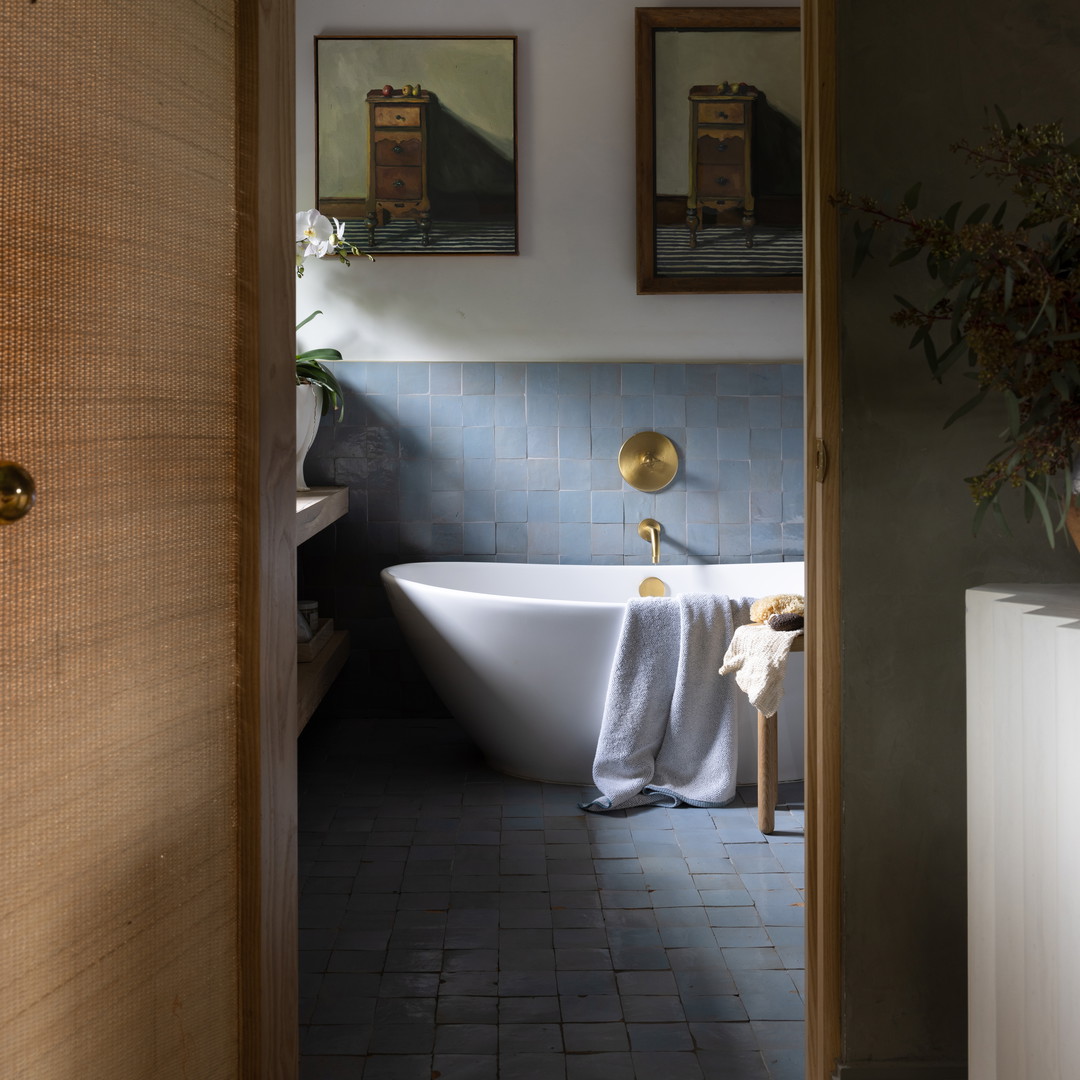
[(719, 150), (416, 142)]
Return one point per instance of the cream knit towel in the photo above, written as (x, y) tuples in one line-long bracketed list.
[(758, 656)]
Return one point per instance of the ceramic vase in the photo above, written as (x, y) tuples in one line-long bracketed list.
[(308, 415)]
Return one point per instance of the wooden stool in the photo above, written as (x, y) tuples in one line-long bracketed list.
[(767, 762)]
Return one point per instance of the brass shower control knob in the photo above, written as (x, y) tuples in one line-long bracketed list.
[(648, 461), (17, 492)]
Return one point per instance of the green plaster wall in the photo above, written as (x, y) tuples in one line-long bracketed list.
[(914, 78)]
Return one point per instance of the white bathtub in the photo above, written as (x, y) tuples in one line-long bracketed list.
[(521, 652)]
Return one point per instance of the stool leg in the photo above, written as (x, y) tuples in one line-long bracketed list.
[(766, 772)]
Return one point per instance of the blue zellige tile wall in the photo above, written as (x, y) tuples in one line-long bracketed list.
[(517, 462)]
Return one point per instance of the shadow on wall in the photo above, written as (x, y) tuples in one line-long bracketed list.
[(776, 154), (469, 178)]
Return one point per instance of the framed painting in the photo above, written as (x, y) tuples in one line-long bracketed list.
[(719, 150), (417, 143)]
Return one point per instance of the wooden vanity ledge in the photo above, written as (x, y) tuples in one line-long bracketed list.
[(317, 508)]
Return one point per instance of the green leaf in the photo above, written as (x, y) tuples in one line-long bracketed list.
[(904, 255), (911, 196), (863, 239), (904, 303), (1002, 122), (949, 217), (308, 319), (949, 356), (977, 214), (319, 354), (1012, 408), (1040, 502), (968, 405), (999, 214)]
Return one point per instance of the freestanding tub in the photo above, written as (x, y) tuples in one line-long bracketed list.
[(521, 653)]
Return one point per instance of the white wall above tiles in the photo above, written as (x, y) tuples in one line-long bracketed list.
[(571, 293)]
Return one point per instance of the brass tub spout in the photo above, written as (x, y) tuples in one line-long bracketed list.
[(649, 530)]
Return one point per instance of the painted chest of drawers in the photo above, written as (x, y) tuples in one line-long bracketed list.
[(397, 161), (721, 134)]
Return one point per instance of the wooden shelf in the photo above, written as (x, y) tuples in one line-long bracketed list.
[(315, 510), (314, 678)]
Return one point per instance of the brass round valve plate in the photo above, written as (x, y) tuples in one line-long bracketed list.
[(652, 586), (648, 461)]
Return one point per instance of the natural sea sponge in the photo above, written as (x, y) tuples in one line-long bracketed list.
[(780, 604), (786, 621)]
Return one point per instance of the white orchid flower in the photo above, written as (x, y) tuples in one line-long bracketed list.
[(316, 232)]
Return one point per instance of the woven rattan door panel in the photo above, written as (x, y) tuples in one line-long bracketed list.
[(118, 923)]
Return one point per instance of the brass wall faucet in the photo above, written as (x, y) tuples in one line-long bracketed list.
[(649, 530)]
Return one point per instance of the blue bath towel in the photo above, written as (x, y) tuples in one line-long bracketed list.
[(668, 734)]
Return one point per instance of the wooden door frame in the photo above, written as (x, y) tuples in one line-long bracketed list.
[(266, 500), (822, 374)]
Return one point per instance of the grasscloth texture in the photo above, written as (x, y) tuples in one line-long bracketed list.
[(118, 916)]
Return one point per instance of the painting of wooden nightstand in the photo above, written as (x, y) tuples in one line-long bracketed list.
[(397, 161), (721, 134)]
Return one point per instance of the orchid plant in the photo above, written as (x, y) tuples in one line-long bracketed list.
[(319, 236)]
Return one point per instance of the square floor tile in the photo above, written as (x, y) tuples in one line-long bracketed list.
[(592, 1038)]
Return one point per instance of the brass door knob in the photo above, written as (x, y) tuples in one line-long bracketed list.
[(17, 492)]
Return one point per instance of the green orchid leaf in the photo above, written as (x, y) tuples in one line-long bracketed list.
[(911, 196), (308, 319), (319, 354)]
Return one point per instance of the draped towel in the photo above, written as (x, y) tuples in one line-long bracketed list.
[(668, 733)]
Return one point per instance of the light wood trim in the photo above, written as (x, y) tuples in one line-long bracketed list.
[(766, 772), (315, 677), (317, 508), (267, 813), (823, 1024)]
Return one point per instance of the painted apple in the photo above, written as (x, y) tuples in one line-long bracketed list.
[(387, 90)]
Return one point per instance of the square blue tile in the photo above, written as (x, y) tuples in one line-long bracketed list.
[(793, 445), (382, 377), (511, 474), (700, 410), (606, 441), (542, 506), (511, 506), (701, 442), (445, 378), (792, 507), (447, 474), (669, 410), (575, 539), (605, 410), (701, 539), (575, 442), (701, 474), (510, 442), (413, 378), (511, 538), (478, 538), (574, 410), (606, 539), (575, 475), (542, 442), (765, 379), (510, 378), (766, 506), (509, 410), (734, 539), (637, 412), (605, 475), (791, 377), (543, 474), (478, 378), (446, 442), (478, 442), (764, 411), (734, 476), (477, 410), (575, 378), (766, 474), (604, 378), (542, 378), (574, 505), (733, 412), (445, 410), (732, 379), (733, 507), (607, 507), (791, 411), (701, 379), (701, 506), (669, 378), (542, 410), (636, 379), (543, 538), (446, 539), (447, 506)]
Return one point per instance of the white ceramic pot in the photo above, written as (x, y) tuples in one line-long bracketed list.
[(308, 415)]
